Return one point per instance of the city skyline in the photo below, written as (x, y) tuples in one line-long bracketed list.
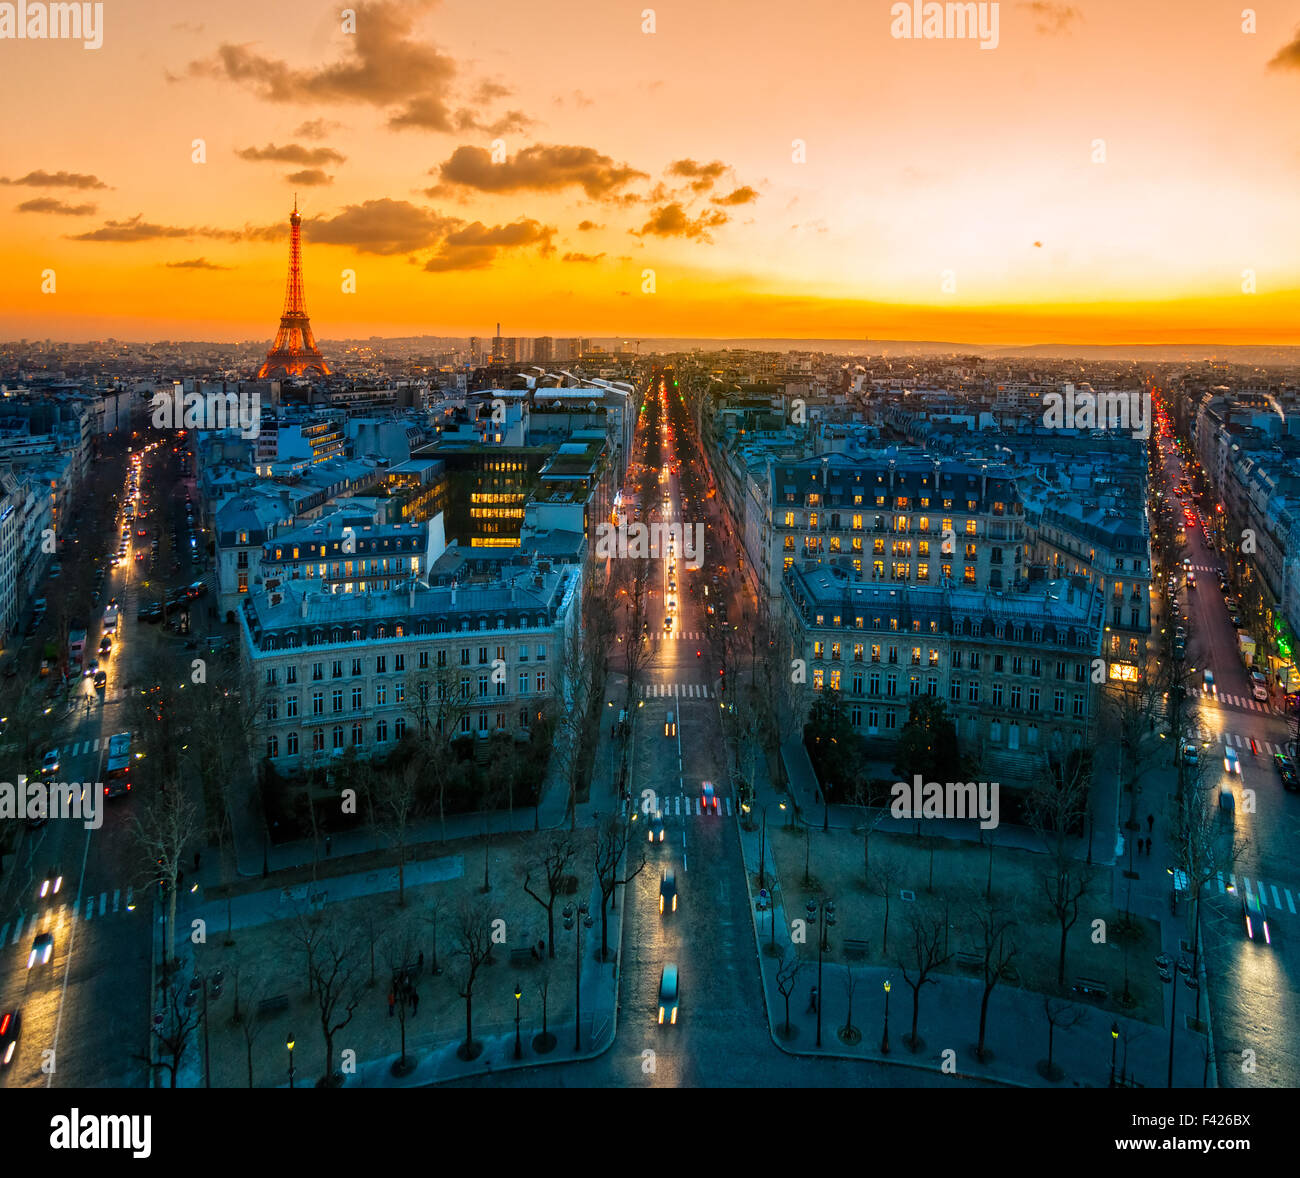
[(460, 191)]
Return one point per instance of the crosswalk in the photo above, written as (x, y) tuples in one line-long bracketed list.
[(683, 636), (1236, 740), (677, 691), (683, 806), (1269, 896), (92, 908), (1245, 703)]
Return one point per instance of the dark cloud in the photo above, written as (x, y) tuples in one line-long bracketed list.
[(571, 257), (50, 204), (385, 66), (540, 168), (587, 226), (309, 178), (671, 220), (475, 246), (56, 180), (702, 176), (741, 196), (195, 264), (293, 153), (315, 128), (137, 229), (381, 226), (1050, 18), (1288, 57)]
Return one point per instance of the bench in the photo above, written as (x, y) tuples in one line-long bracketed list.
[(971, 961), (856, 948), (269, 1006), (1091, 988)]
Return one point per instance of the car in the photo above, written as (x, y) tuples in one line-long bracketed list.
[(708, 798), (657, 827), (670, 724), (1256, 922), (149, 613), (667, 891), (11, 1026), (105, 645), (50, 762), (142, 532), (668, 995), (92, 668), (1207, 678), (42, 948), (1191, 755), (101, 680), (196, 589), (52, 884), (1258, 685), (1191, 579), (1231, 761)]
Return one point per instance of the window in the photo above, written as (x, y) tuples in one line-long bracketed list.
[(381, 694), (336, 700), (336, 669), (997, 693), (381, 731), (835, 678), (954, 692), (291, 744), (317, 671), (399, 662), (291, 674), (356, 734), (974, 660), (541, 653), (272, 710), (1078, 704), (1015, 697), (891, 720), (338, 736), (1033, 700), (317, 703), (973, 692), (891, 685), (1080, 672), (893, 654), (381, 664), (1036, 665), (356, 666), (270, 676), (464, 656), (541, 682), (356, 699), (423, 661), (272, 746), (318, 741), (1058, 702), (399, 728), (819, 679), (482, 686), (291, 707), (835, 652)]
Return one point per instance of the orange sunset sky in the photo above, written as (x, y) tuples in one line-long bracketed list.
[(670, 151)]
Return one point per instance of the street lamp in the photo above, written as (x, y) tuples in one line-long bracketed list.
[(289, 1044), (1180, 968), (762, 845), (884, 1039), (1114, 1042), (828, 915), (583, 910), (519, 1051)]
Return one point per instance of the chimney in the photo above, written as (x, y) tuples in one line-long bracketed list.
[(302, 606), (410, 597)]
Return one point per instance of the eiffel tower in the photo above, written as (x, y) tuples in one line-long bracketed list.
[(294, 352)]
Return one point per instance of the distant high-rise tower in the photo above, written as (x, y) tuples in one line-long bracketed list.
[(294, 352)]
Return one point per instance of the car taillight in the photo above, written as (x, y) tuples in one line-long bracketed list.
[(1250, 931), (4, 1023)]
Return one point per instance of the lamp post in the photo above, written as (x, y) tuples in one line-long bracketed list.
[(519, 1051), (570, 922), (1114, 1042), (289, 1044), (884, 1039), (828, 918), (1180, 967), (762, 846)]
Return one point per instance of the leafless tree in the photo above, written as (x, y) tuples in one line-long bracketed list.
[(611, 841), (551, 865), (885, 876), (175, 1031), (399, 952), (338, 991), (927, 955), (395, 797), (992, 930), (437, 702), (473, 948), (787, 975), (1057, 805), (163, 827), (1064, 1015)]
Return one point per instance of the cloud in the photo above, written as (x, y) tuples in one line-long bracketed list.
[(315, 128), (588, 226), (671, 220), (195, 264), (293, 153), (56, 180), (540, 168), (1288, 57), (489, 91), (1050, 18), (741, 196), (309, 178), (383, 66), (475, 246), (380, 226), (571, 257), (703, 176), (136, 229), (50, 204)]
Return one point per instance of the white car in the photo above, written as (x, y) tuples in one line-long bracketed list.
[(1231, 762), (1191, 755)]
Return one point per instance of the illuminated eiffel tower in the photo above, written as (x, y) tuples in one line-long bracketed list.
[(294, 352)]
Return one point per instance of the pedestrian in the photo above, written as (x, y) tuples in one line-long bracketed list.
[(1148, 846), (415, 1002), (1151, 821), (392, 1003)]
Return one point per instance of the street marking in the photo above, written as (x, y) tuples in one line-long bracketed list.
[(1290, 903), (90, 907), (1219, 876), (1277, 900)]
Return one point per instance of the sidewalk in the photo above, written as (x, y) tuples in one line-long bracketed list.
[(1017, 1029)]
